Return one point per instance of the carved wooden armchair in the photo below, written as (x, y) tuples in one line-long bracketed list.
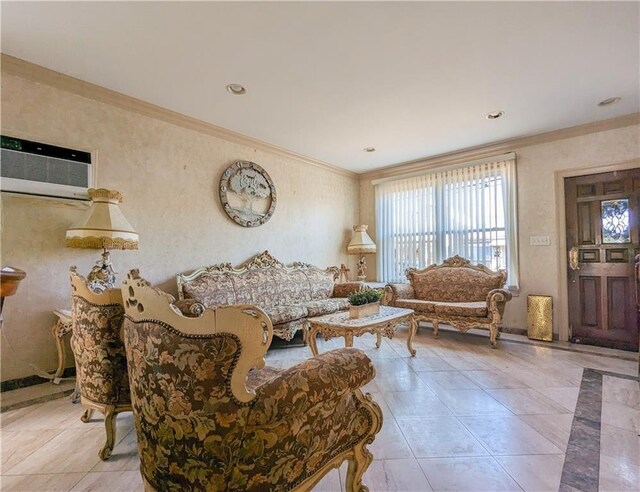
[(101, 363), (210, 416)]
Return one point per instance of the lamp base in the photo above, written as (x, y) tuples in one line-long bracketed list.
[(362, 269), (102, 276)]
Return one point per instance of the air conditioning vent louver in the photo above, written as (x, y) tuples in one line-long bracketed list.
[(39, 169)]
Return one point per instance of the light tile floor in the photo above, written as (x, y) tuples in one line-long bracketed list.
[(459, 416)]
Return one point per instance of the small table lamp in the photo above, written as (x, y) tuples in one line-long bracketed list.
[(361, 244), (103, 227)]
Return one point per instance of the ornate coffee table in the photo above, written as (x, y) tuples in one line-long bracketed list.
[(340, 325)]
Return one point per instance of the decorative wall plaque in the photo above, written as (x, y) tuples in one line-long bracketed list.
[(247, 193)]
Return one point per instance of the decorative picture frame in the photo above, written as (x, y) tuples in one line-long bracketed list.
[(245, 182)]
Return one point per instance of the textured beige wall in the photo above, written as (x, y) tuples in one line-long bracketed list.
[(169, 177), (538, 168)]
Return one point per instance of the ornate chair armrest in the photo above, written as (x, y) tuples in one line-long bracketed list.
[(496, 300), (189, 307), (343, 290), (393, 292), (327, 376)]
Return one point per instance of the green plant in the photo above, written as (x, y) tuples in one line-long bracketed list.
[(364, 296)]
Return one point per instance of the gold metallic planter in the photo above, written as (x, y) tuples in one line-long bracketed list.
[(540, 318)]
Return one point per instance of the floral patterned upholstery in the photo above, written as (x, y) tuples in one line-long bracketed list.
[(287, 294), (455, 293), (202, 426), (101, 362)]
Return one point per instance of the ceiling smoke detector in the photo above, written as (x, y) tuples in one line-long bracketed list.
[(494, 115), (236, 89), (610, 101), (369, 149)]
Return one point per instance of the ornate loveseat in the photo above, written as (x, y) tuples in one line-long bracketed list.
[(210, 416), (288, 294), (455, 293)]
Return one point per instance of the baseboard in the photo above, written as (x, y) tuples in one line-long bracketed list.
[(13, 384)]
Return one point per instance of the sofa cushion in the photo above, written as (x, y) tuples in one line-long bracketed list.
[(255, 287), (326, 306), (284, 314), (455, 284), (210, 290), (292, 287), (320, 283), (416, 304), (474, 309)]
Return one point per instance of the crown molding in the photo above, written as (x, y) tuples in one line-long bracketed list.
[(500, 147), (36, 73)]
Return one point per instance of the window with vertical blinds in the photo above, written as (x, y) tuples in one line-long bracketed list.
[(468, 211)]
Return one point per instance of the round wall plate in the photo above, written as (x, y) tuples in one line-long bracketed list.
[(247, 194)]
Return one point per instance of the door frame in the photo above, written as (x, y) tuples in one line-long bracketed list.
[(561, 233)]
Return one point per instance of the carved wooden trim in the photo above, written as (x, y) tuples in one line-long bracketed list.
[(142, 302), (79, 287), (260, 261), (225, 187), (456, 262)]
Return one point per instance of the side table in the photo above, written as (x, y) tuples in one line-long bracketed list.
[(60, 328)]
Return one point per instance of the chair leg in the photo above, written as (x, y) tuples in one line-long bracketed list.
[(493, 335), (110, 427), (358, 464), (436, 328), (86, 416)]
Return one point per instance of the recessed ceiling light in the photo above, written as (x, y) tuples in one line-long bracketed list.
[(369, 149), (236, 89), (494, 115), (610, 101)]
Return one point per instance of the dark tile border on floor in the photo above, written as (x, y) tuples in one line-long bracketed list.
[(581, 470), (13, 384)]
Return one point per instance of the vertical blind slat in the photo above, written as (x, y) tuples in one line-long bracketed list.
[(466, 211)]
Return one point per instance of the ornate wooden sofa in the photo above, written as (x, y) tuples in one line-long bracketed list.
[(288, 294), (210, 416), (455, 293)]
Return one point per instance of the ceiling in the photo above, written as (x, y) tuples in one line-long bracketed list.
[(327, 80)]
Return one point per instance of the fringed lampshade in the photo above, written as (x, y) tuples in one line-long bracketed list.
[(361, 244), (103, 227)]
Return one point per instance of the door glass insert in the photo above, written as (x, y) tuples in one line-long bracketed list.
[(615, 221)]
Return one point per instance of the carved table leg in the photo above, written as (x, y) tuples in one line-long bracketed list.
[(378, 339), (59, 331), (348, 339), (312, 335), (413, 327)]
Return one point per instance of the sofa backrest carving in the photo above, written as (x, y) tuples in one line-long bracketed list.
[(262, 281), (455, 280)]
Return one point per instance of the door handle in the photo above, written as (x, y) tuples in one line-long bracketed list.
[(573, 259)]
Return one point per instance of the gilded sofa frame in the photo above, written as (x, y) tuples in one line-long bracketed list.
[(263, 261)]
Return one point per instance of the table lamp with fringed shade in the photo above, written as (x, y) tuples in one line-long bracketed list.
[(361, 244), (103, 227)]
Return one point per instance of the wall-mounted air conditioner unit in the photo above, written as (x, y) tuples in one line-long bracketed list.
[(34, 168)]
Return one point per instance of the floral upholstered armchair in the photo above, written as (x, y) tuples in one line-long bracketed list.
[(210, 416), (101, 363)]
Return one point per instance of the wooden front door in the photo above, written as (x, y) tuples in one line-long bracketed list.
[(602, 242)]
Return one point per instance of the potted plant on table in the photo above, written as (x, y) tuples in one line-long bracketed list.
[(364, 302)]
